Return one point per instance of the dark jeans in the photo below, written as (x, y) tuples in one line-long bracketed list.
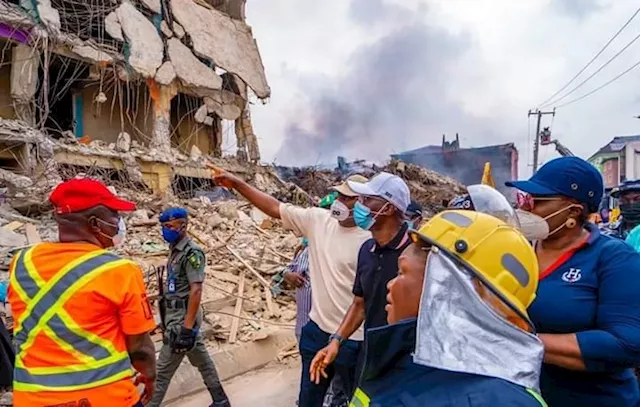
[(311, 341)]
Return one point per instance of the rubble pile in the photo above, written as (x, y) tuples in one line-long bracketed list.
[(431, 189)]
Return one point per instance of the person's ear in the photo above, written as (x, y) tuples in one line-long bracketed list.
[(93, 224)]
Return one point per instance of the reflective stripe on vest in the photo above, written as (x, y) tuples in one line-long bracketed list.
[(360, 399), (100, 363), (538, 397)]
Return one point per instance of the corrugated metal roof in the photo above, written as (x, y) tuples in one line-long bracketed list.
[(616, 144)]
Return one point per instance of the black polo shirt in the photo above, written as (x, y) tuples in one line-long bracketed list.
[(376, 267)]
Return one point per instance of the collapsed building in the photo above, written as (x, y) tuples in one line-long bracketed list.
[(143, 89)]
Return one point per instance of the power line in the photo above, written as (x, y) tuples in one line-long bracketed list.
[(631, 68), (592, 59), (596, 72)]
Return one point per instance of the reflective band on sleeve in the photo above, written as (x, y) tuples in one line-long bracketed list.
[(537, 397), (360, 399), (100, 363)]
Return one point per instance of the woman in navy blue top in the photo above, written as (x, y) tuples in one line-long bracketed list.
[(587, 309)]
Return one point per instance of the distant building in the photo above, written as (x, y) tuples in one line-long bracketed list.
[(467, 164), (618, 160)]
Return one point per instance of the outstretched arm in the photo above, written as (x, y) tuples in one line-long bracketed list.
[(265, 202)]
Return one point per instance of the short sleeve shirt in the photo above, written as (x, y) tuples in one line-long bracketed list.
[(186, 265), (377, 265), (118, 306), (333, 255)]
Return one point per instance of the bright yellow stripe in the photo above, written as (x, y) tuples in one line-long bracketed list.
[(37, 387), (79, 367), (59, 275), (54, 309), (31, 269), (65, 346)]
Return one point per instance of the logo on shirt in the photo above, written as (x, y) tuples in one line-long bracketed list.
[(572, 275)]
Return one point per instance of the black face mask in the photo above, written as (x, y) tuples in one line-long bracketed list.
[(630, 213)]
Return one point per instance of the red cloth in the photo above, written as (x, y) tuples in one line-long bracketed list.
[(80, 194)]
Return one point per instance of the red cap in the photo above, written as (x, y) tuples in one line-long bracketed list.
[(80, 194)]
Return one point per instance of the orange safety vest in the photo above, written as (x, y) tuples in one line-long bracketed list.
[(99, 362)]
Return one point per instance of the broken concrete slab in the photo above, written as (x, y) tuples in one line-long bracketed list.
[(153, 5), (178, 30), (146, 46), (123, 142), (16, 181), (11, 239), (112, 26), (49, 16), (189, 69), (91, 53), (24, 73), (165, 74), (214, 34), (201, 114), (224, 104), (164, 27)]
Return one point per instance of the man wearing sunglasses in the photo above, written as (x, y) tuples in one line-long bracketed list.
[(183, 317)]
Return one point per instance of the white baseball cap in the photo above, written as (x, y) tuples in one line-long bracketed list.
[(387, 186)]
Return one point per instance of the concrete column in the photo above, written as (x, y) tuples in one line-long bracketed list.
[(24, 81), (161, 136)]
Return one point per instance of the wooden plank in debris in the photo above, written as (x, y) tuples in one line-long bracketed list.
[(248, 266), (271, 308), (235, 323), (31, 231), (15, 225)]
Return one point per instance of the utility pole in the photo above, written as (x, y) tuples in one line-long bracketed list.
[(536, 143)]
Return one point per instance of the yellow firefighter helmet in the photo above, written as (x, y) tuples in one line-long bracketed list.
[(497, 253)]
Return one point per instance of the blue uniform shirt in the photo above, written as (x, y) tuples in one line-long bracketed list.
[(391, 379), (595, 293)]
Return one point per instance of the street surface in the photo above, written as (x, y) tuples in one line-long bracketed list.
[(274, 385)]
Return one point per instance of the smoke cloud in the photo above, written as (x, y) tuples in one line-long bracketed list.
[(394, 95)]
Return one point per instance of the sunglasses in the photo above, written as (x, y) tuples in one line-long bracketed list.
[(527, 202)]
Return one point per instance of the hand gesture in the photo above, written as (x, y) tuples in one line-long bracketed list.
[(294, 280), (323, 358), (149, 386), (222, 177)]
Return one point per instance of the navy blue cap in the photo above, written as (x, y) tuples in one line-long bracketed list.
[(173, 213), (626, 186), (571, 177)]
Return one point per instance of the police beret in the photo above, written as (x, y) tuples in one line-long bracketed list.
[(173, 213)]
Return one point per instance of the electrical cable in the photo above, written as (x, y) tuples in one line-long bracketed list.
[(632, 67), (544, 103), (596, 72)]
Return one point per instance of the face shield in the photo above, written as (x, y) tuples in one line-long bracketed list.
[(483, 198), (464, 326)]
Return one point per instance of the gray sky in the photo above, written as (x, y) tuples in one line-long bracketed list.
[(366, 78)]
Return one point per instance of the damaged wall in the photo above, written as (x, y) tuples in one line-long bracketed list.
[(6, 103), (186, 131), (104, 121)]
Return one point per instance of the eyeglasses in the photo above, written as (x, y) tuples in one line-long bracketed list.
[(527, 202)]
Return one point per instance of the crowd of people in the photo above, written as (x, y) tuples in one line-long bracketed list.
[(482, 304)]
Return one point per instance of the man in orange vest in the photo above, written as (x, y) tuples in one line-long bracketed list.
[(82, 318)]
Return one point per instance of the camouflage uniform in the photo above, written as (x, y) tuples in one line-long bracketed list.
[(186, 265)]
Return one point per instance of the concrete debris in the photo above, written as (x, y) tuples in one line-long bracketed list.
[(24, 76), (189, 69), (201, 114), (178, 30), (100, 97), (6, 399), (166, 30), (11, 239), (123, 142), (112, 26), (91, 53), (146, 46), (166, 74), (49, 16), (196, 154), (153, 5), (224, 104), (133, 169), (15, 181), (213, 34)]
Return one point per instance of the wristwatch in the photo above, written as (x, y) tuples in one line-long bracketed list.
[(337, 338)]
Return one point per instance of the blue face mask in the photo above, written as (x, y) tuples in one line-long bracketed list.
[(362, 216), (411, 223), (171, 236), (305, 242)]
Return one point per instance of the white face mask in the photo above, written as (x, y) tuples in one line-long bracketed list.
[(339, 211), (533, 227), (119, 238)]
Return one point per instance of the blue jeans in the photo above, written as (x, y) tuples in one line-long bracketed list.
[(312, 339)]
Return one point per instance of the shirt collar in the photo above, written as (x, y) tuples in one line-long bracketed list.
[(400, 240), (182, 243), (386, 345)]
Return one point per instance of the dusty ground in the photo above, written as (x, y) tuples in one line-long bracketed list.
[(274, 385)]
